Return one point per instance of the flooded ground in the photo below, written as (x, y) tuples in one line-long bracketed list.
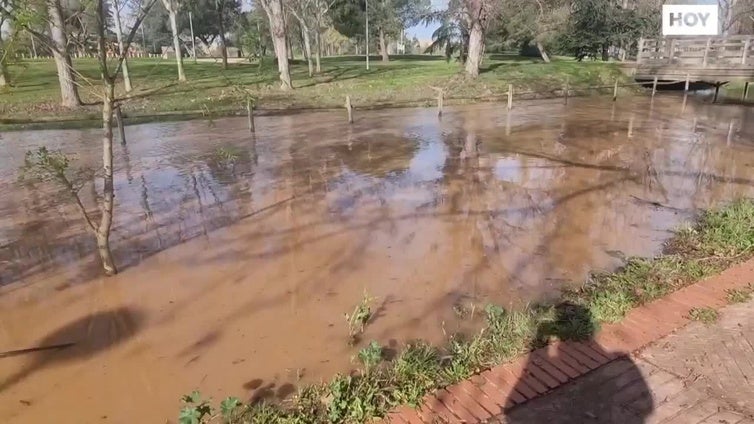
[(240, 255)]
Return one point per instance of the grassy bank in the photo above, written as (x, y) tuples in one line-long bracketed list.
[(717, 240), (405, 80)]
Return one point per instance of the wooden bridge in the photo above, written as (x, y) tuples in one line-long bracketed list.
[(714, 60)]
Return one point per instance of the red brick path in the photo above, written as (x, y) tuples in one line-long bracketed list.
[(492, 392)]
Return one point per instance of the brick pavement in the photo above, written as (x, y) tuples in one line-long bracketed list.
[(697, 375)]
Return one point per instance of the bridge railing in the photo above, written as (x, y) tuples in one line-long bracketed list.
[(729, 52)]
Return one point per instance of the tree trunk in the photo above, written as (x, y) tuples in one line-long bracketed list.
[(605, 55), (308, 51), (306, 44), (177, 45), (318, 50), (102, 232), (69, 92), (4, 79), (542, 52), (274, 10), (476, 47), (383, 47), (221, 27), (119, 35)]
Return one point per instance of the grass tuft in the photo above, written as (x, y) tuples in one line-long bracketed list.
[(740, 295), (706, 315)]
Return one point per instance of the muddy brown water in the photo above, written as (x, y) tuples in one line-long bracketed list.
[(236, 273)]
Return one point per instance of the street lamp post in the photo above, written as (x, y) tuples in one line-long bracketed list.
[(367, 33)]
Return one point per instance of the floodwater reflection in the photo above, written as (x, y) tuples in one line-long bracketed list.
[(242, 253)]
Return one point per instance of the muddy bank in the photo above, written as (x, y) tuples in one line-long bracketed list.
[(236, 275)]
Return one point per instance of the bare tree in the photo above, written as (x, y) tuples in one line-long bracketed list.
[(59, 45), (25, 14), (119, 35), (172, 6), (302, 11), (321, 8), (275, 14), (55, 166)]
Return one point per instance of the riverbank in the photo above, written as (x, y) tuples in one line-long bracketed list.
[(32, 101), (719, 239)]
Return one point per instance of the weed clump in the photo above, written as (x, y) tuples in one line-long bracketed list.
[(705, 315), (740, 295)]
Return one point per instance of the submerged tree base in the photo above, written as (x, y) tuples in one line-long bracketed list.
[(719, 239)]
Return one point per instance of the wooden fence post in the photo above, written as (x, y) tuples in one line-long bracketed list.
[(250, 115), (439, 102), (510, 96), (671, 51), (565, 92), (615, 90), (349, 109), (121, 128), (706, 53), (654, 87), (745, 54), (640, 48)]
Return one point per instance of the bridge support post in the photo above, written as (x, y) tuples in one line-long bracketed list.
[(688, 80), (745, 93), (640, 49), (717, 92)]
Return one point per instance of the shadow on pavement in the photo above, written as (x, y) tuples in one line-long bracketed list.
[(613, 393)]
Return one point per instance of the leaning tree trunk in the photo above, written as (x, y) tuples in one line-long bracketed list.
[(306, 43), (308, 51), (274, 10), (221, 27), (69, 92), (177, 45), (383, 47), (476, 48), (119, 35), (102, 232), (542, 52)]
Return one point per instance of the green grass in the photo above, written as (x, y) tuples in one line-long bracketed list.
[(405, 80), (740, 295), (719, 239), (707, 316)]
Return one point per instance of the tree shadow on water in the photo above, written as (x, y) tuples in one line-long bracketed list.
[(77, 340), (612, 393)]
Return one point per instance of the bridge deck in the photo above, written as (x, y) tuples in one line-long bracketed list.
[(711, 59)]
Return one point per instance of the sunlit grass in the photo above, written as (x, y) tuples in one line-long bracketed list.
[(210, 89)]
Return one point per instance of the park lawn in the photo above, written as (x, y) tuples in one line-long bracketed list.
[(405, 80)]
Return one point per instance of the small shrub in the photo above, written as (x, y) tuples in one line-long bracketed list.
[(358, 319), (740, 295), (371, 355), (196, 411), (705, 315)]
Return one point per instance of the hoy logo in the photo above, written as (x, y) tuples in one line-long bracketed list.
[(689, 19)]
